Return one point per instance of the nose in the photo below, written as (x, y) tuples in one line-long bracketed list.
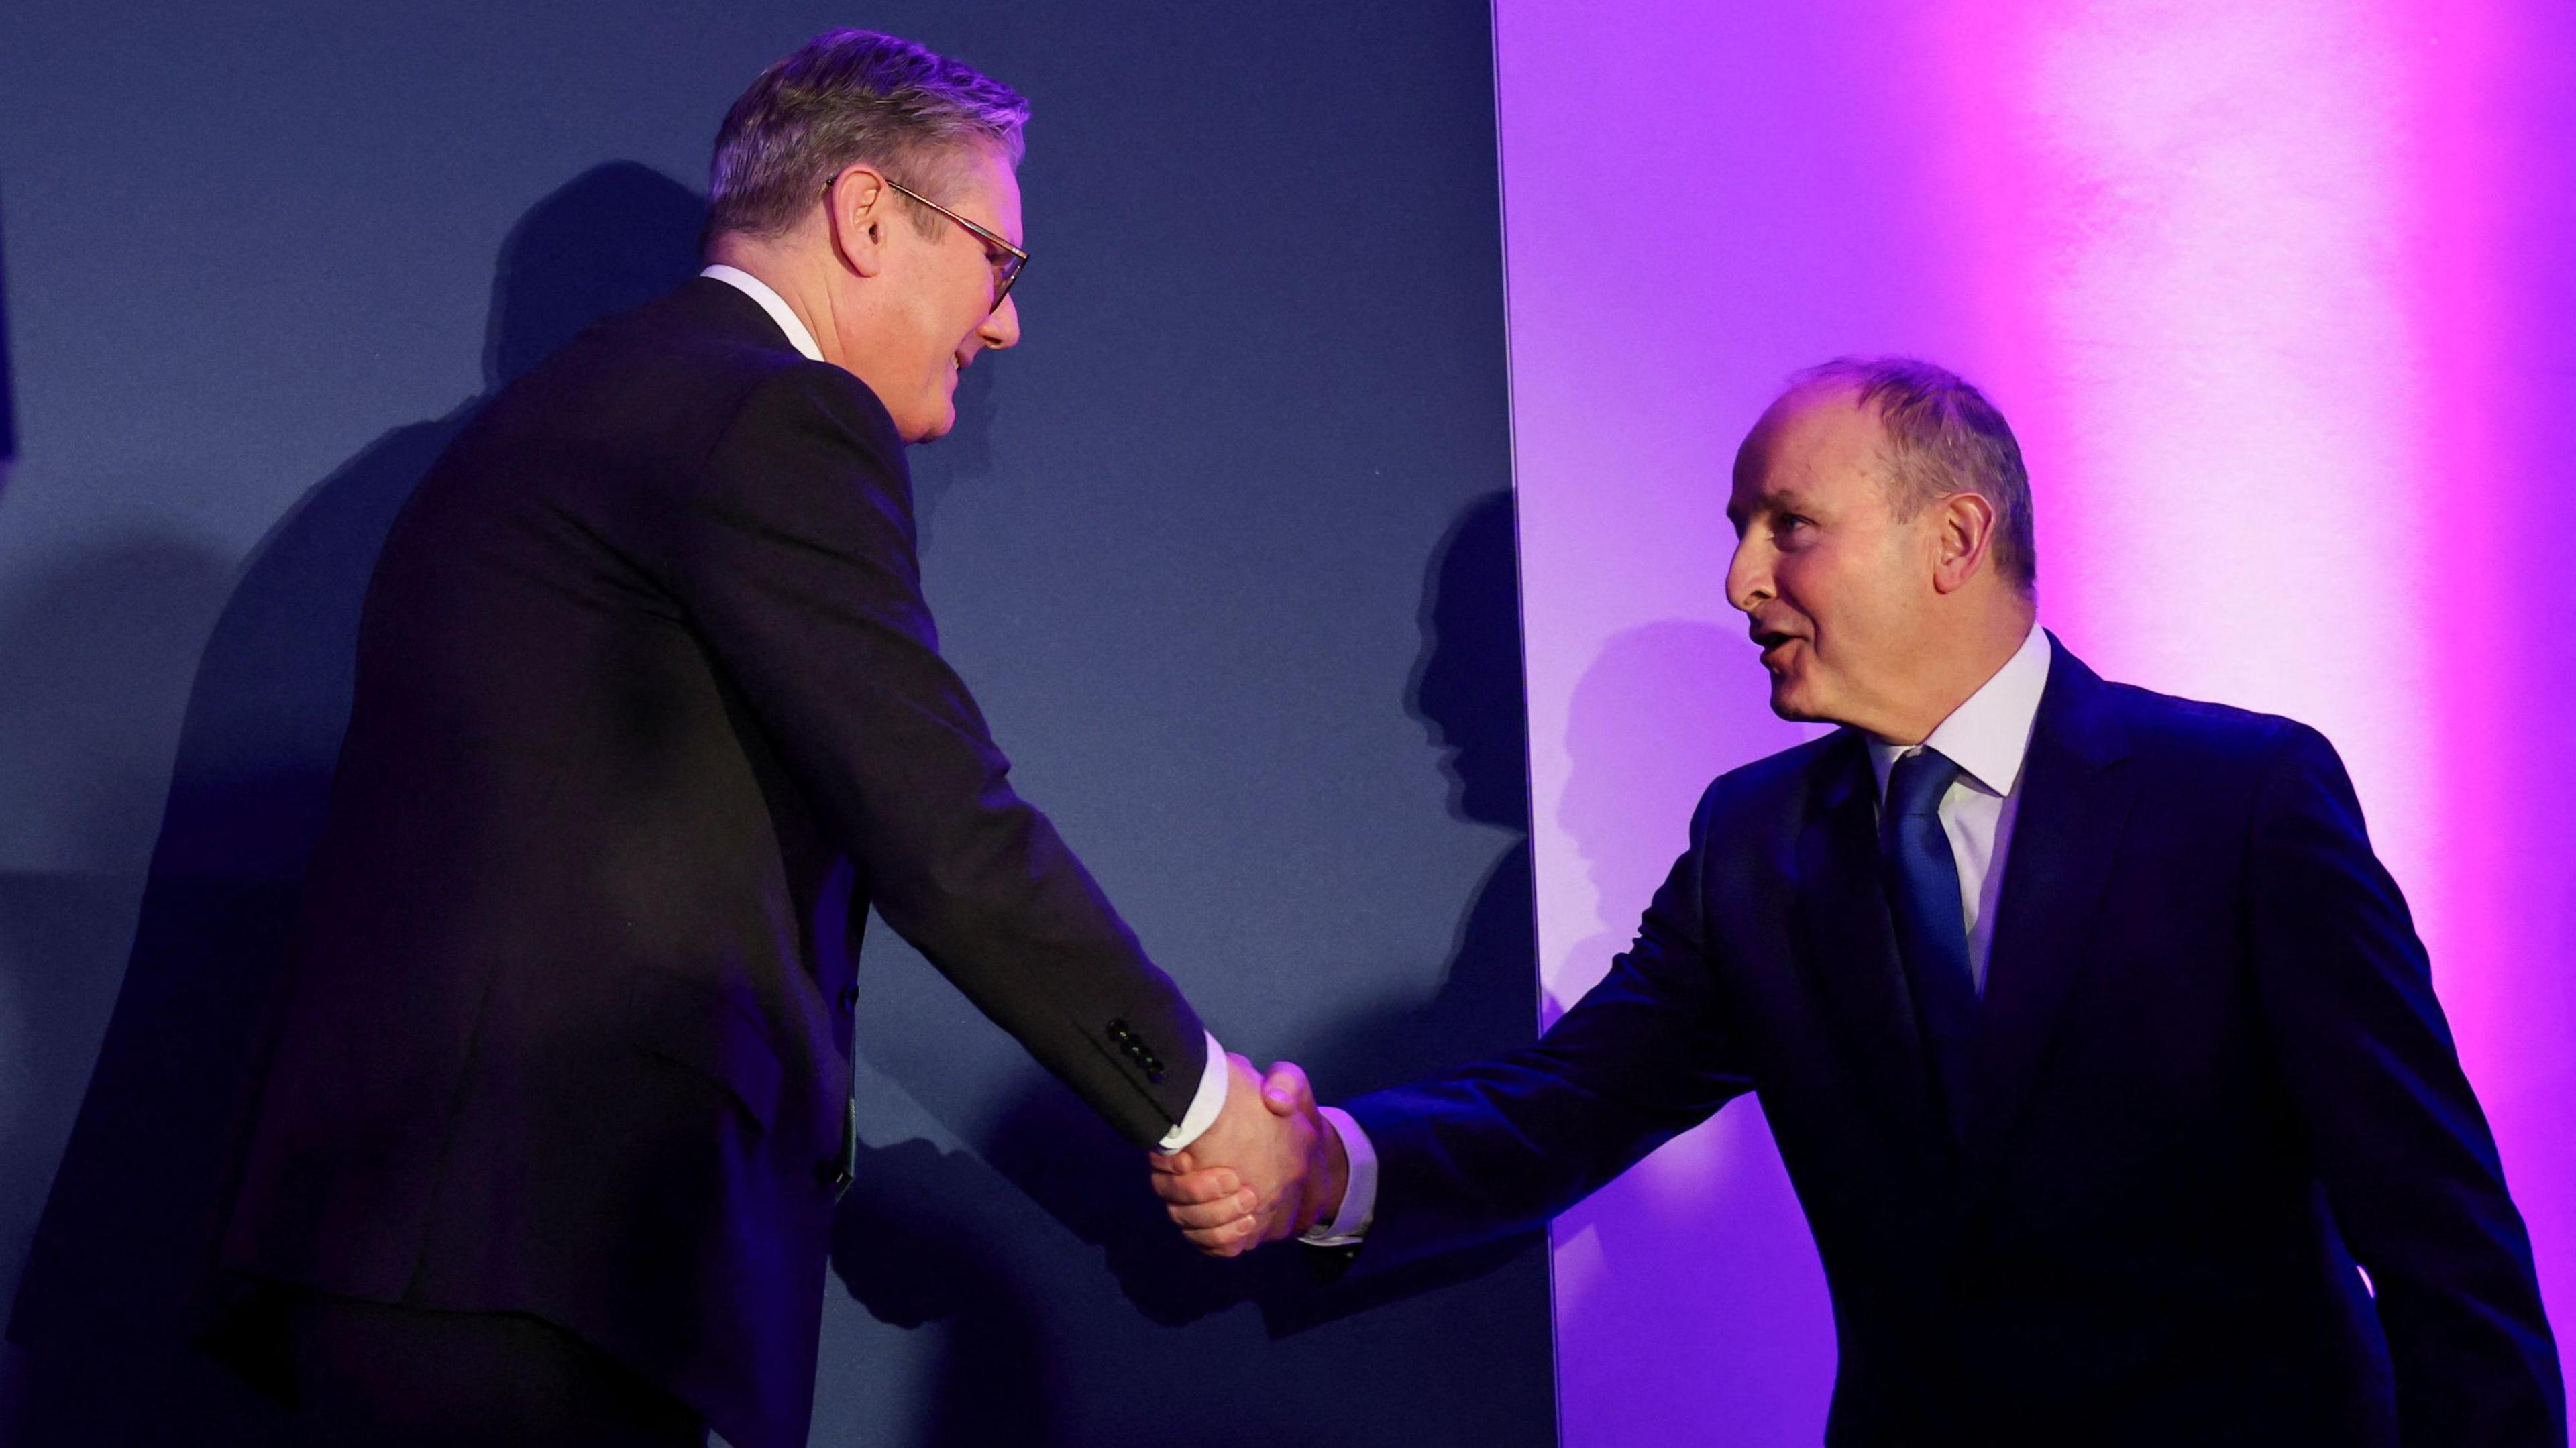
[(1748, 574), (1001, 326)]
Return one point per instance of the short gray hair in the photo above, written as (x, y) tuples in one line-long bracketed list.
[(848, 97), (1943, 437)]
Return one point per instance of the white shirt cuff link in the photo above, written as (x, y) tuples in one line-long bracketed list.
[(1359, 1196), (1204, 1106)]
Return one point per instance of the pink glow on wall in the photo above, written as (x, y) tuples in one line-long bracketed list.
[(2276, 298)]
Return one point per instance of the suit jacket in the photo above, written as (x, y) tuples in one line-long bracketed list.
[(2211, 1074), (649, 712)]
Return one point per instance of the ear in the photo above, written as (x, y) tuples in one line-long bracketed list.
[(1962, 540), (858, 210)]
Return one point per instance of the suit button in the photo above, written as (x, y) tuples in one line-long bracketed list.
[(849, 997), (830, 1173)]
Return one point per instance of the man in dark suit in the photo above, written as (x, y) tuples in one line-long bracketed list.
[(2091, 1145), (649, 712)]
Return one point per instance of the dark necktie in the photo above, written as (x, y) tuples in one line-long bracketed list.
[(1931, 930)]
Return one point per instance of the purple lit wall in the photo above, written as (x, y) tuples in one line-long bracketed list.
[(2281, 301)]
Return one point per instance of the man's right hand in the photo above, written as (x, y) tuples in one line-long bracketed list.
[(1270, 1167)]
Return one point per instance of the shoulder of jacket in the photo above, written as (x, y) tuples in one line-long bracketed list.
[(780, 381), (1775, 780), (2199, 731), (770, 393)]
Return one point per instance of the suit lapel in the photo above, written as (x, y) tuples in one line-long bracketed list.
[(1847, 943), (2074, 801)]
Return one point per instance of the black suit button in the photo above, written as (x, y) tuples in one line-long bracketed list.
[(830, 1172), (849, 997)]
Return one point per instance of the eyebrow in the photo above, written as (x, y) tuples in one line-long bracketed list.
[(1774, 500)]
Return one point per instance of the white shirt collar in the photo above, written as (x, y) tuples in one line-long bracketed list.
[(772, 303), (1988, 735)]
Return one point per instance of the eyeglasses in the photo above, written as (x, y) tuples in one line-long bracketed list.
[(1005, 258)]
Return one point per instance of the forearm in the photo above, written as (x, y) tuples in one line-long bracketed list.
[(792, 557), (1497, 1149)]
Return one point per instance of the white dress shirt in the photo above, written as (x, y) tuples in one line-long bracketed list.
[(1986, 737), (1210, 1098)]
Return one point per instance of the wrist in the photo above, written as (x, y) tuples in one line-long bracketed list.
[(1332, 1173)]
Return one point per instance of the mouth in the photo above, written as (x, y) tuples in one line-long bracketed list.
[(1774, 644)]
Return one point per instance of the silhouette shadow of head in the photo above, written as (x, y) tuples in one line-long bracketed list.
[(1052, 1151), (1468, 692), (1468, 686), (612, 237), (1662, 709), (118, 1276)]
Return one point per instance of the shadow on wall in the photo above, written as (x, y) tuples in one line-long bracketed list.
[(1710, 1218), (1662, 711), (116, 1276), (96, 648), (917, 1239)]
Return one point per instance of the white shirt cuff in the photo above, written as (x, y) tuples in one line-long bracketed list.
[(1204, 1106), (1359, 1194)]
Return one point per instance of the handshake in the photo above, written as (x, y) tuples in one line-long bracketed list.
[(1270, 1166)]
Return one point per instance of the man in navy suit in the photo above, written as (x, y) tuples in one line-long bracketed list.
[(2091, 1145)]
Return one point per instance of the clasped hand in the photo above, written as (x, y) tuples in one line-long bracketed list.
[(1269, 1167)]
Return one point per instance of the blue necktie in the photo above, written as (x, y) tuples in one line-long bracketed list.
[(1931, 929)]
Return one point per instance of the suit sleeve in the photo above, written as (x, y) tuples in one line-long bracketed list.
[(2408, 1163), (1506, 1144), (794, 558)]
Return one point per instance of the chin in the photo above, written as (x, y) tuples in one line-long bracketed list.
[(934, 426), (1793, 703)]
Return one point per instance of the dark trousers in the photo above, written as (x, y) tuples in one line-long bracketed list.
[(394, 1377)]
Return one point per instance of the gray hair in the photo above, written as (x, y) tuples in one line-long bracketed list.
[(1943, 437), (848, 97)]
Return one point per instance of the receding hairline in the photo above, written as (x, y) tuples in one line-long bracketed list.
[(1937, 435), (1804, 396)]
